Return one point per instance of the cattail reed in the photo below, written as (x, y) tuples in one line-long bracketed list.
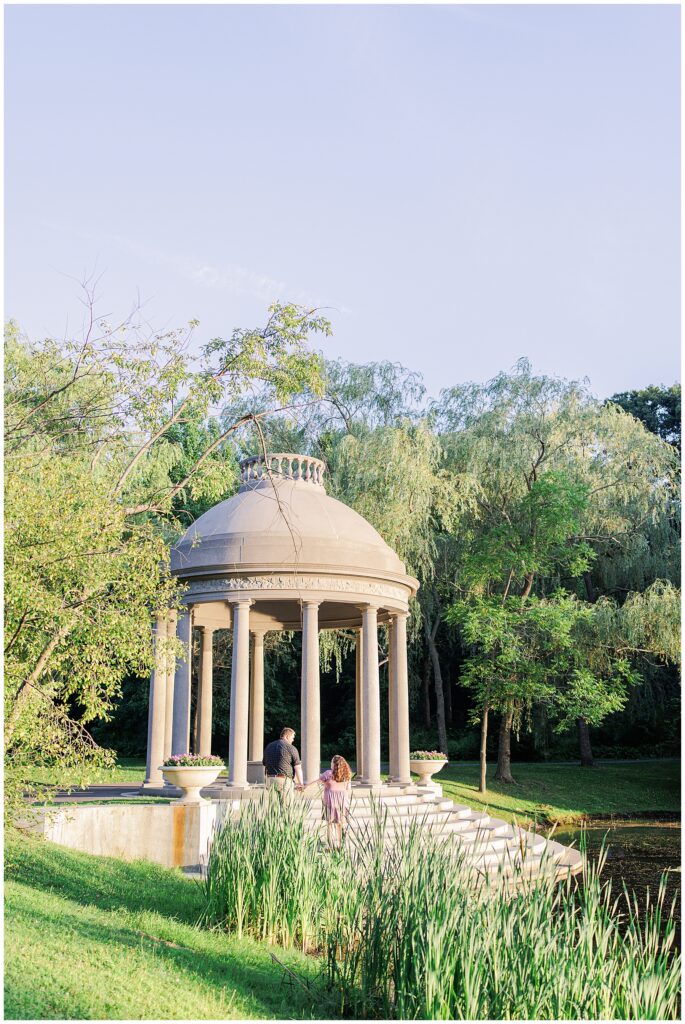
[(407, 928)]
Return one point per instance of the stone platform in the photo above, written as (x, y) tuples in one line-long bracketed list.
[(179, 835)]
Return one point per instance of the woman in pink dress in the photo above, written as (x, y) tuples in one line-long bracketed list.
[(336, 796)]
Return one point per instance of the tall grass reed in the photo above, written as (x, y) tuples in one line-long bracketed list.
[(408, 929)]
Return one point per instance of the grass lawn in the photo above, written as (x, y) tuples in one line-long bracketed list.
[(127, 769), (566, 793), (97, 938)]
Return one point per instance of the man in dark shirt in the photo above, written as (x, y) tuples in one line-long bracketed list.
[(282, 761)]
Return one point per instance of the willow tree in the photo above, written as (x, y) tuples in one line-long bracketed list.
[(89, 499), (394, 477), (515, 436), (612, 642)]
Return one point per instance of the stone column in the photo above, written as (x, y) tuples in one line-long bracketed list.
[(256, 746), (392, 687), (205, 692), (400, 704), (240, 696), (180, 735), (169, 673), (359, 711), (371, 701), (310, 713), (195, 745), (156, 715)]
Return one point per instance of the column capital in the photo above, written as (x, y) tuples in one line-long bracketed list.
[(310, 604), (397, 614), (239, 601), (258, 634), (369, 607)]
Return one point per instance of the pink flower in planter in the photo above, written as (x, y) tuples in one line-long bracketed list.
[(193, 761)]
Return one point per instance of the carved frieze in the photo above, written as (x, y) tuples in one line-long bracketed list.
[(330, 584)]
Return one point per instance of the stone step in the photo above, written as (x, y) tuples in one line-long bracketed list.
[(498, 827), (389, 813), (512, 853), (481, 840), (530, 865), (462, 811), (435, 823), (426, 819)]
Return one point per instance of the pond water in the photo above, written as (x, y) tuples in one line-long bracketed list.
[(639, 852)]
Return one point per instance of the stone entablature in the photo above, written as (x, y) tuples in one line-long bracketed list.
[(335, 585)]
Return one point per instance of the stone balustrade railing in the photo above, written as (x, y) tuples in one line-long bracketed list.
[(281, 465)]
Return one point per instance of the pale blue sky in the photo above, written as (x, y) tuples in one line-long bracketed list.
[(462, 185)]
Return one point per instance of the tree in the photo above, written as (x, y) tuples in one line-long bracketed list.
[(657, 406), (561, 482), (516, 648), (91, 431)]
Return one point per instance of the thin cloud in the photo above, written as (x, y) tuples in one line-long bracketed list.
[(231, 278), (235, 279)]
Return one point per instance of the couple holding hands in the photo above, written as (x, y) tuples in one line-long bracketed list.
[(282, 765)]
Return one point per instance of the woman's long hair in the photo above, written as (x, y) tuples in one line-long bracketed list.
[(341, 769)]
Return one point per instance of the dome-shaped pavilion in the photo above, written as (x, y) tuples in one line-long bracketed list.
[(282, 554)]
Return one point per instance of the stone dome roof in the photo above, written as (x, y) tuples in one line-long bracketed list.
[(282, 520)]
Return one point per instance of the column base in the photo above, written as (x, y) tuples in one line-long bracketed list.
[(255, 772)]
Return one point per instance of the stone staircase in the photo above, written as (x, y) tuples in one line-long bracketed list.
[(488, 844)]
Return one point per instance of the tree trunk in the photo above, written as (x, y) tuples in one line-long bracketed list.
[(22, 694), (439, 695), (540, 730), (589, 588), (448, 702), (426, 691), (586, 758), (503, 773), (483, 749)]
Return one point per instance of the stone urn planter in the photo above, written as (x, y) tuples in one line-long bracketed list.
[(426, 767), (191, 778)]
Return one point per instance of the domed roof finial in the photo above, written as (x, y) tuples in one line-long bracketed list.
[(281, 466)]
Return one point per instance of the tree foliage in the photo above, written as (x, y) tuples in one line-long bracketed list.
[(657, 406), (103, 436)]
